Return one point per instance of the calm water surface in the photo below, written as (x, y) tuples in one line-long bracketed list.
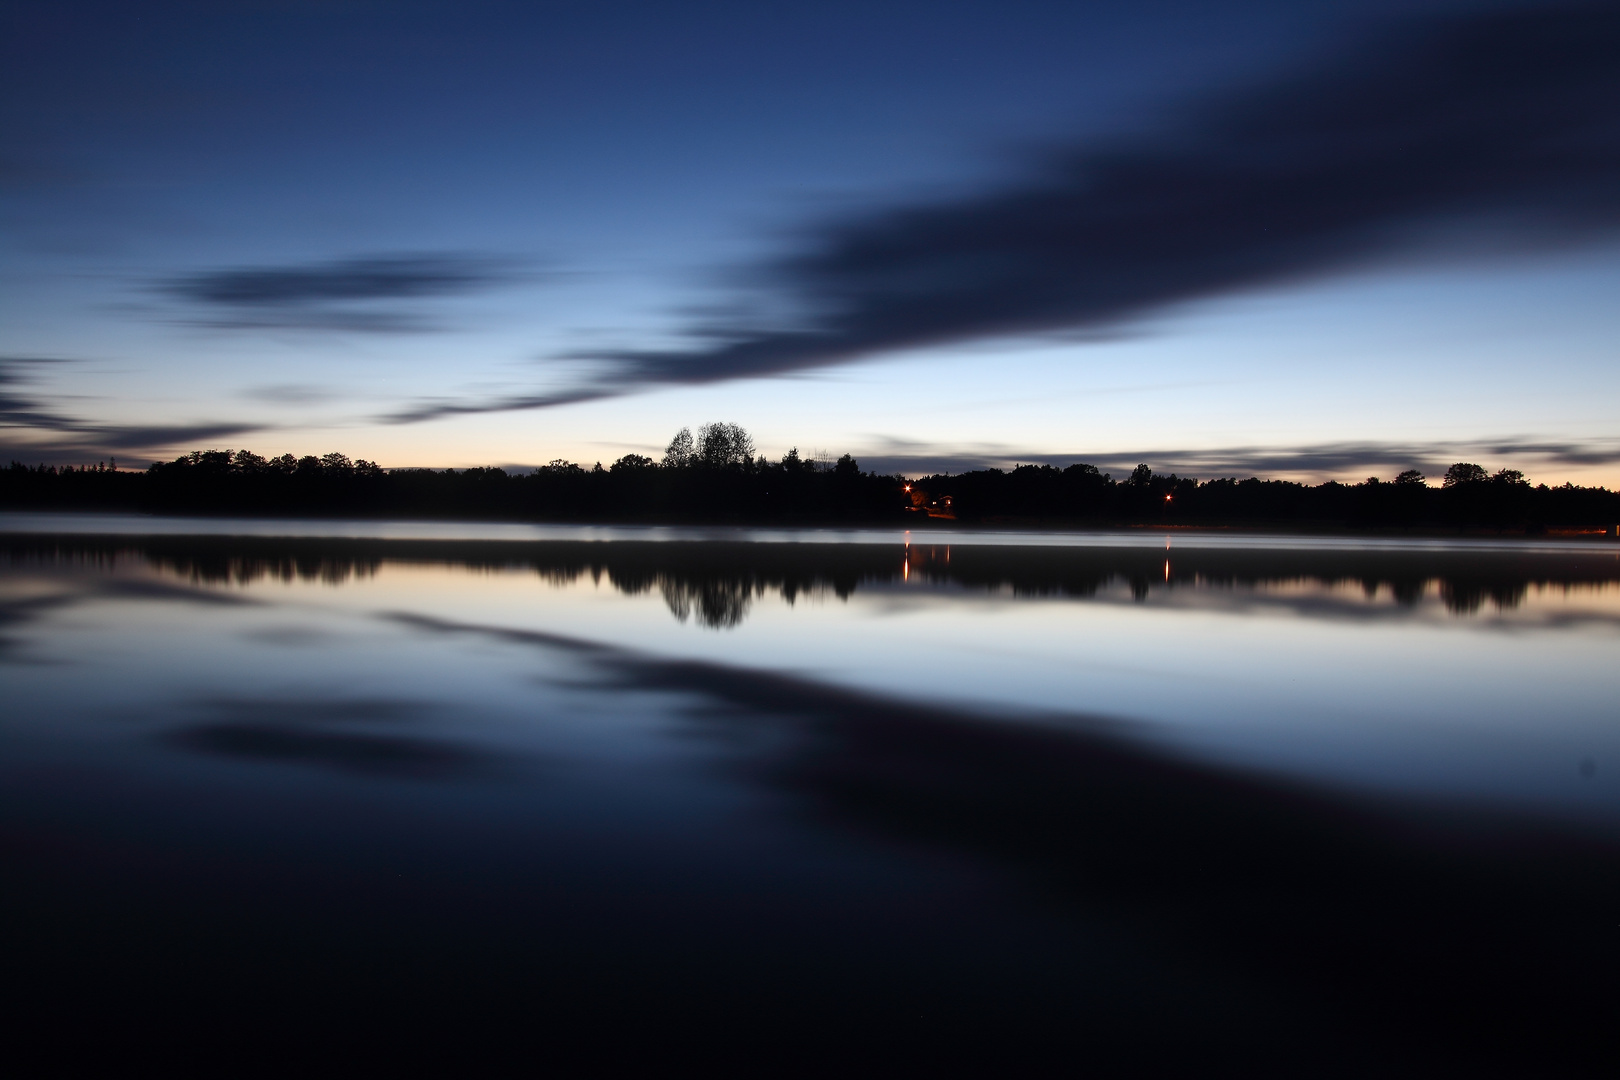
[(587, 796)]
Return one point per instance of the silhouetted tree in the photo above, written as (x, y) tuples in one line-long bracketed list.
[(793, 464), (1464, 473), (679, 452), (721, 446)]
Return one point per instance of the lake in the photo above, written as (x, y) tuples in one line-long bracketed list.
[(586, 798)]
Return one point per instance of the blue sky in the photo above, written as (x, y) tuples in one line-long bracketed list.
[(1298, 239)]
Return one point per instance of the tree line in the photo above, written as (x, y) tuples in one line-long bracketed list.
[(1468, 496), (717, 475)]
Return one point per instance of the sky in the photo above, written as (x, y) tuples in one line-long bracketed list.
[(1298, 239)]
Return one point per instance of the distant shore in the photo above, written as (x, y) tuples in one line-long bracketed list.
[(738, 488)]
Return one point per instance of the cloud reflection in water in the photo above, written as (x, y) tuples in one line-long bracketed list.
[(1371, 909)]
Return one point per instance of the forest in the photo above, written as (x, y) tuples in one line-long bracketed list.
[(717, 477)]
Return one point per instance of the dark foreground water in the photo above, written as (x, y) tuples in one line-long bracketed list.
[(531, 800)]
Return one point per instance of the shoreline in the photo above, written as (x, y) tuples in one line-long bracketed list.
[(83, 525)]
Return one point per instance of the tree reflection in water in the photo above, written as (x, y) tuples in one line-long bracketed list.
[(716, 583)]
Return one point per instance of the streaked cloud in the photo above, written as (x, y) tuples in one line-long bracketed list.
[(1322, 460), (359, 294), (32, 430), (1499, 129)]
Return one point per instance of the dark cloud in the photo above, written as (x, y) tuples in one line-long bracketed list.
[(145, 436), (313, 318), (433, 410), (1564, 453), (347, 294), (17, 407), (58, 437), (387, 278), (1329, 459), (1500, 128), (1321, 459), (82, 442)]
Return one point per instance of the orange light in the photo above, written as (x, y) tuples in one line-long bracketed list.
[(1167, 498)]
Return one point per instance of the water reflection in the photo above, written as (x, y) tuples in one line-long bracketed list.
[(1373, 910), (910, 809), (350, 734), (716, 583)]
